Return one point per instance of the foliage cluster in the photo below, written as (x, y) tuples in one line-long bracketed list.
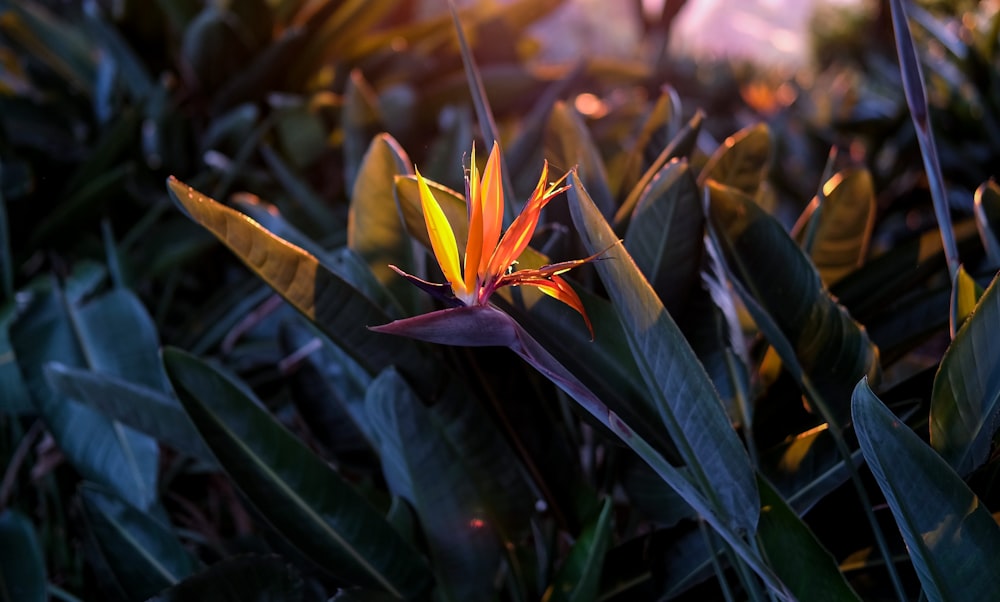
[(793, 388)]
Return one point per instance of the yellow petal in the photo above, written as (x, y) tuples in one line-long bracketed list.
[(442, 237), (491, 200)]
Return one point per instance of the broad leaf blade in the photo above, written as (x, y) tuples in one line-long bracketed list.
[(965, 403), (809, 329), (22, 566), (741, 161), (323, 297), (806, 567), (568, 144), (375, 230), (987, 211), (113, 335), (144, 409), (422, 466), (144, 554), (685, 397), (665, 233), (580, 575), (846, 219), (305, 500), (965, 294), (240, 579), (952, 539)]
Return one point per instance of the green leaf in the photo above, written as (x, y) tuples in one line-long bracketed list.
[(15, 399), (305, 197), (111, 334), (421, 465), (568, 144), (680, 146), (814, 336), (484, 113), (240, 579), (806, 468), (665, 234), (296, 491), (144, 554), (951, 537), (56, 43), (803, 564), (328, 389), (579, 577), (987, 212), (965, 294), (144, 409), (965, 402), (659, 124), (336, 307), (846, 217), (742, 161), (687, 401), (22, 566), (375, 230)]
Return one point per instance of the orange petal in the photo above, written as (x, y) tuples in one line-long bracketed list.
[(442, 237), (474, 250), (491, 200), (517, 237), (559, 289)]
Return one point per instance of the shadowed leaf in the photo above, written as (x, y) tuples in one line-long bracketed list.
[(846, 219), (580, 575), (965, 403), (809, 329), (806, 567), (295, 490), (952, 539), (325, 298), (687, 401)]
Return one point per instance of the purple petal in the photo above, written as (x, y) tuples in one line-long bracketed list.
[(467, 326)]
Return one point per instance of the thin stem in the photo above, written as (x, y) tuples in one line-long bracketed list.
[(720, 574)]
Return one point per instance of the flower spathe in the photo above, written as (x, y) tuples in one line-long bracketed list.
[(489, 258)]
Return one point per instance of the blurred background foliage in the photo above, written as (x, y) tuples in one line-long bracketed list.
[(235, 464)]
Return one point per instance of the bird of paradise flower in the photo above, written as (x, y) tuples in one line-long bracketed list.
[(490, 258)]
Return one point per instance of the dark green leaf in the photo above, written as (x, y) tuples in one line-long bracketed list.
[(240, 579), (965, 294), (146, 410), (305, 197), (111, 334), (57, 43), (951, 537), (323, 297), (144, 554), (806, 567), (580, 575), (421, 465), (987, 211), (742, 161), (374, 228), (809, 329), (965, 403), (665, 234), (484, 113), (846, 217), (568, 144), (22, 566), (684, 395), (15, 398), (681, 145), (663, 117), (296, 491)]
